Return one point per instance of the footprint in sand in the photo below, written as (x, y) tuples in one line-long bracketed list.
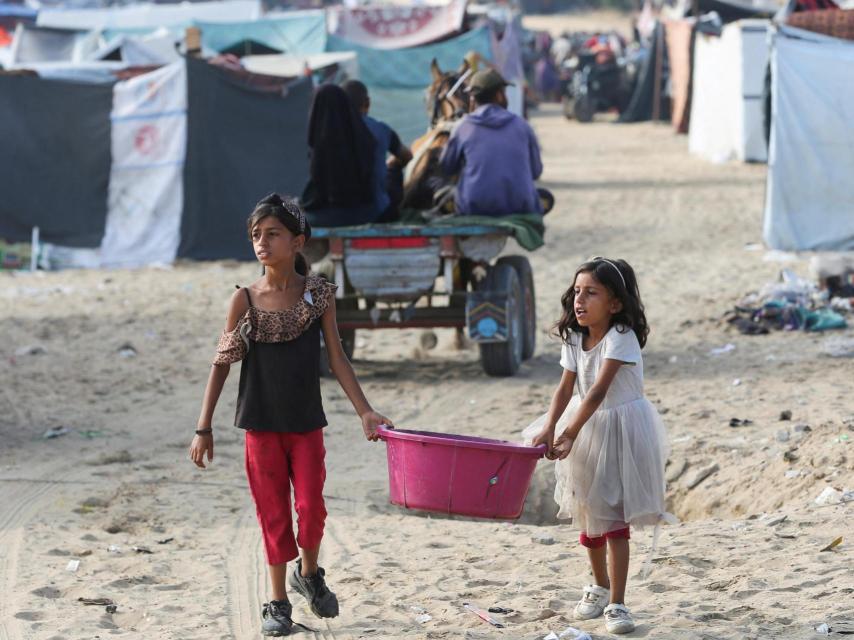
[(52, 593), (31, 616)]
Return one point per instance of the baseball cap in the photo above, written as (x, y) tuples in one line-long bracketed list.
[(487, 80)]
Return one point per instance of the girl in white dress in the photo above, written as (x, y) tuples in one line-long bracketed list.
[(608, 441)]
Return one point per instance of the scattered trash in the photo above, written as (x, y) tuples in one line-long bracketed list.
[(802, 428), (73, 565), (736, 382), (101, 602), (719, 351), (739, 422), (571, 633), (165, 541), (127, 350), (833, 545), (785, 415), (792, 473), (773, 522), (843, 438), (424, 617), (823, 629), (91, 433), (416, 609), (695, 478), (830, 495), (111, 608), (483, 615), (500, 610), (142, 550), (31, 350), (114, 548), (542, 538), (55, 432)]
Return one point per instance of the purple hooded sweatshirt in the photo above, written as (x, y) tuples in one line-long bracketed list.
[(498, 158)]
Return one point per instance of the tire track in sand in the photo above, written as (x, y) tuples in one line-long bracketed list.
[(19, 504)]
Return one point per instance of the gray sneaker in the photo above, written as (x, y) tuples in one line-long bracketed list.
[(276, 618), (321, 600)]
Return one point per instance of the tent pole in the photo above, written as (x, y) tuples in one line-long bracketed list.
[(34, 249)]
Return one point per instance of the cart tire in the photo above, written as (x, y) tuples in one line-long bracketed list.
[(503, 359), (568, 105), (529, 300), (584, 108)]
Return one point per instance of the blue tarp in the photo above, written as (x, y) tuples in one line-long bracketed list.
[(17, 11), (302, 33), (410, 68)]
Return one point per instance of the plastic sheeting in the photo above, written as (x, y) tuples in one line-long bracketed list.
[(35, 45), (300, 32), (726, 104), (411, 67), (55, 159), (141, 16), (293, 66), (397, 26), (810, 192), (149, 133), (243, 142)]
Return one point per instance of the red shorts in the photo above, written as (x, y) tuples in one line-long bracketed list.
[(599, 541), (274, 462)]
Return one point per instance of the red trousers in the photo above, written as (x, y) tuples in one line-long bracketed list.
[(599, 541), (274, 462)]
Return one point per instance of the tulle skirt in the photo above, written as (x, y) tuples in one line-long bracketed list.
[(614, 474)]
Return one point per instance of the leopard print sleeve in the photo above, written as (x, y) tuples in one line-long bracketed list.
[(323, 295), (232, 346)]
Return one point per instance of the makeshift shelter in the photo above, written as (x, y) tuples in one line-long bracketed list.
[(31, 45), (809, 196), (294, 66), (726, 101), (167, 164), (149, 15)]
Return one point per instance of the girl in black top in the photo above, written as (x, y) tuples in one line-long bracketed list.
[(274, 327)]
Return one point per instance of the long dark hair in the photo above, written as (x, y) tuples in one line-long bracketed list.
[(341, 167), (619, 278), (287, 211)]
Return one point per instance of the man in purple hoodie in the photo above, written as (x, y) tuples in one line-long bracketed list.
[(495, 154)]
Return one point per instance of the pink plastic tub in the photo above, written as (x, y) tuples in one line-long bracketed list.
[(449, 473)]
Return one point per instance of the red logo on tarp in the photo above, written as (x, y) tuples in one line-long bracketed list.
[(146, 138), (393, 22)]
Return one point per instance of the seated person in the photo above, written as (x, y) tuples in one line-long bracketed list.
[(388, 180), (340, 189), (495, 154)]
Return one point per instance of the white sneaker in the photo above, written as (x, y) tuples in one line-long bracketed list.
[(618, 619), (592, 603)]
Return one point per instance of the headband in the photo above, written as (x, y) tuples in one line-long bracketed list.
[(616, 268), (293, 208)]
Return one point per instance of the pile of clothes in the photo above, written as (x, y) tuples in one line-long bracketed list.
[(795, 303)]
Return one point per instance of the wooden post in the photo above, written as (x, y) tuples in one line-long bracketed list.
[(193, 41)]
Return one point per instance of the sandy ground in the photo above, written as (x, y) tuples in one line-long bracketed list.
[(121, 478)]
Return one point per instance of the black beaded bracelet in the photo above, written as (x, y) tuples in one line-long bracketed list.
[(204, 432)]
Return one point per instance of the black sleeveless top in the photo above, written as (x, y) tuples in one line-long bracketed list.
[(279, 386)]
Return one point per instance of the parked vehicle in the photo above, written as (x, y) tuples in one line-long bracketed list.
[(399, 276), (600, 80)]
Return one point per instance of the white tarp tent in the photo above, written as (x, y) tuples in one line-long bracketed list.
[(293, 66), (809, 196), (149, 15), (726, 101)]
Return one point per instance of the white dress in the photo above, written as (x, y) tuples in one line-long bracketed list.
[(614, 474)]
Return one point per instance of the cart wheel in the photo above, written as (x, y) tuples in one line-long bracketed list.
[(504, 358), (584, 108), (529, 299)]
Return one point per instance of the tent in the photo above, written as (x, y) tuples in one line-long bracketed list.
[(166, 164), (809, 196), (149, 15), (726, 102), (294, 66), (38, 44)]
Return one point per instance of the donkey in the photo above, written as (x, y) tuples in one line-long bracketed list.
[(447, 100)]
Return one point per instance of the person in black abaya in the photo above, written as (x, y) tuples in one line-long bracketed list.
[(341, 150)]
